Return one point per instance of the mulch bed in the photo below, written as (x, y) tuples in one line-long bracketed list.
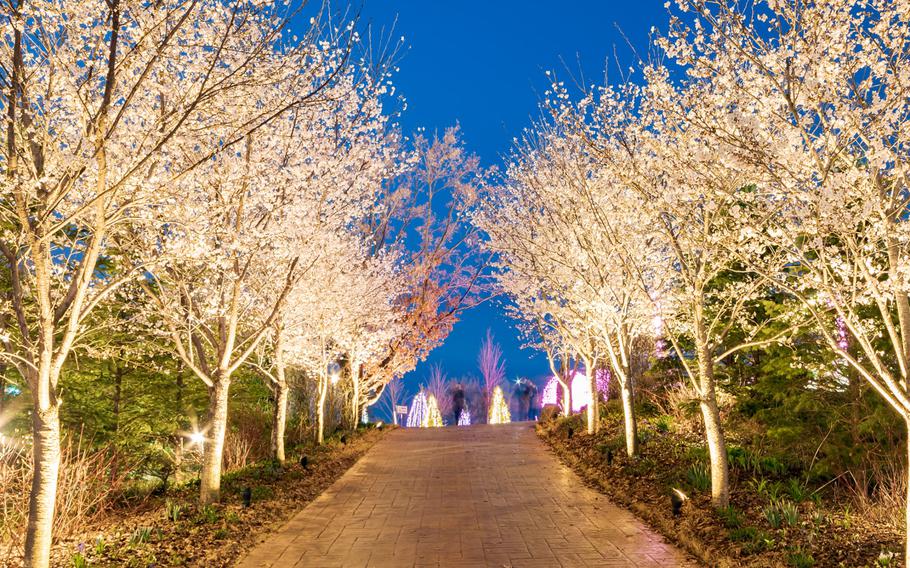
[(823, 535), (175, 531)]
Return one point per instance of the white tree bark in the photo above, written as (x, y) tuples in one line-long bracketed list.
[(629, 419), (714, 434), (279, 421), (46, 452), (213, 452)]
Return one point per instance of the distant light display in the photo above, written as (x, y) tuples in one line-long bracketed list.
[(499, 410), (581, 390), (464, 419), (417, 416), (434, 417), (550, 393)]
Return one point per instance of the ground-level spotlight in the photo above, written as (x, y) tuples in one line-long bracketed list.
[(196, 438), (677, 499)]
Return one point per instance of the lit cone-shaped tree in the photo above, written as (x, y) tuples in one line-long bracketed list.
[(434, 417), (499, 410), (464, 419), (418, 415)]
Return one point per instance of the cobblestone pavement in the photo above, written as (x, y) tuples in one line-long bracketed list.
[(462, 496)]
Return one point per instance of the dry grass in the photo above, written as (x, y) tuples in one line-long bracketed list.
[(247, 440), (886, 504), (86, 490)]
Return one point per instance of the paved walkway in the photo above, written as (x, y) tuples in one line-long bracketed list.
[(462, 496)]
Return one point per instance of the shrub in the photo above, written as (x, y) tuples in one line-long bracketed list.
[(681, 405), (247, 440), (549, 413)]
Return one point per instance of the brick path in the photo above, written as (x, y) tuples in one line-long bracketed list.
[(462, 496)]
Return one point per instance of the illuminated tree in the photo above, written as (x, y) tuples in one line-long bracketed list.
[(438, 388), (499, 408), (418, 415), (819, 132), (492, 368), (434, 417), (424, 214), (464, 418), (102, 102)]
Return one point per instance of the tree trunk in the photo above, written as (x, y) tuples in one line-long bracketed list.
[(591, 414), (717, 448), (213, 453), (355, 399), (279, 420), (628, 412), (714, 434), (46, 452), (320, 411), (567, 397), (907, 503), (178, 452)]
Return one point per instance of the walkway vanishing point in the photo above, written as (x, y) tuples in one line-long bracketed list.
[(462, 497)]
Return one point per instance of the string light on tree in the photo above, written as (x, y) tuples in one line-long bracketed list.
[(499, 410), (552, 394), (418, 415), (434, 417), (464, 418)]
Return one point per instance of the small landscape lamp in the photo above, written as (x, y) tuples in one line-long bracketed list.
[(677, 498)]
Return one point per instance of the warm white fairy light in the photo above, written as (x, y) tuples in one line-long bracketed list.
[(434, 417), (499, 410)]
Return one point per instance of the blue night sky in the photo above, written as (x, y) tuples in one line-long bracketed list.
[(481, 63)]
